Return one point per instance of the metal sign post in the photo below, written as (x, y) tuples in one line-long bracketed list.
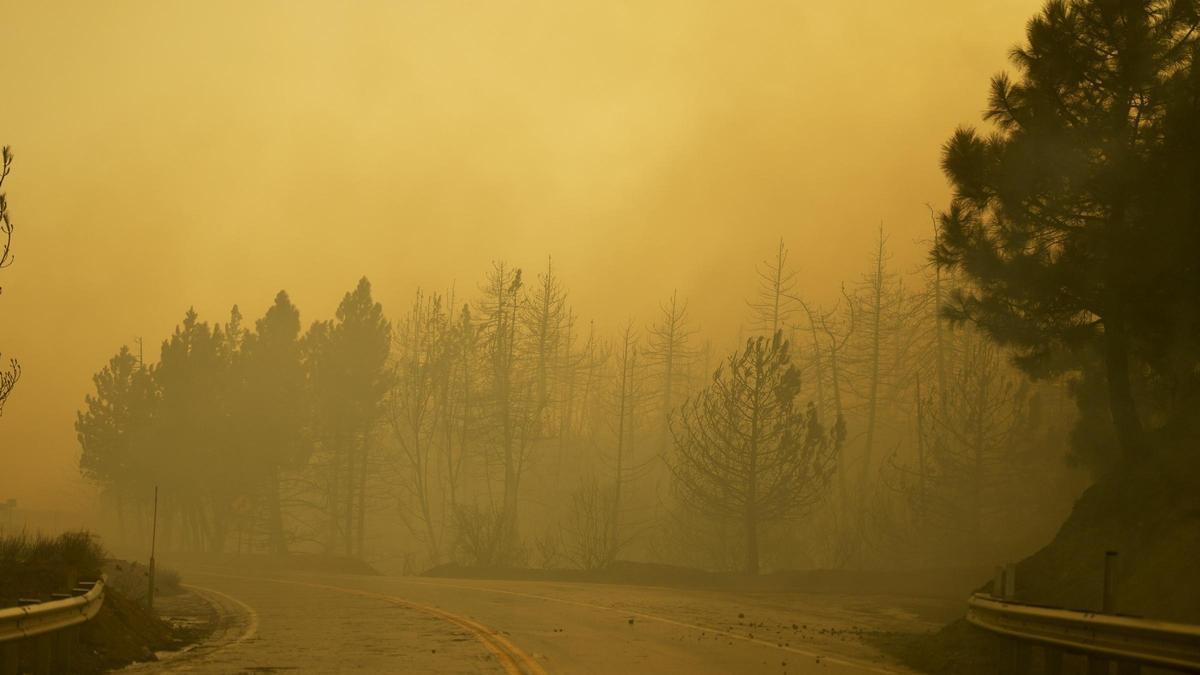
[(153, 537)]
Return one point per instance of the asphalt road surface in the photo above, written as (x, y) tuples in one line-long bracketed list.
[(326, 623)]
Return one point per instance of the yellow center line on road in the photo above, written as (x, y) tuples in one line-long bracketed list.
[(512, 658), (843, 661)]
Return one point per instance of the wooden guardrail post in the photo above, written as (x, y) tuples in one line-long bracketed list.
[(1004, 586), (43, 653), (1052, 660), (10, 657), (1098, 665), (1020, 657), (66, 641), (1128, 668)]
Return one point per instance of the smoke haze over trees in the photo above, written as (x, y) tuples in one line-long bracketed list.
[(498, 428), (713, 355)]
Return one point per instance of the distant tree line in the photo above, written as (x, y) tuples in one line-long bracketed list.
[(227, 412), (800, 446)]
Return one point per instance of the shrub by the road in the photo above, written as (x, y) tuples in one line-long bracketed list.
[(36, 565)]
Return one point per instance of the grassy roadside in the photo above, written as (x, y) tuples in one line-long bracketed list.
[(34, 566)]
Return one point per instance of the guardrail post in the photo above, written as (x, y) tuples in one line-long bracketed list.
[(1108, 603), (1052, 660), (43, 651), (1004, 586), (1020, 657), (1097, 665), (10, 657), (65, 649)]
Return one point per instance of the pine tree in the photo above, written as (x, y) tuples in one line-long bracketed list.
[(275, 406), (746, 449), (360, 346), (1075, 221), (114, 432)]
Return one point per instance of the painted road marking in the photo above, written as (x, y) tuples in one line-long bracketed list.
[(512, 658), (843, 661)]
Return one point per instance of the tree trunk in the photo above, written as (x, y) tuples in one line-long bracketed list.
[(510, 502), (1120, 389), (920, 450), (873, 402), (840, 469), (937, 325), (362, 499), (348, 516), (277, 540), (751, 542), (873, 395), (335, 502)]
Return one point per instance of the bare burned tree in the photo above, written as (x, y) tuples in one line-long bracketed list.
[(775, 304), (9, 377), (670, 355), (422, 351), (746, 450)]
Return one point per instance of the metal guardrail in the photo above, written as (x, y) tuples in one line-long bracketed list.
[(1124, 639), (40, 623)]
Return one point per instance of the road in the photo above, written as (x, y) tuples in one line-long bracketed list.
[(326, 623)]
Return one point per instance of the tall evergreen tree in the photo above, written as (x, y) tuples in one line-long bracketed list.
[(1076, 220), (114, 431), (274, 406), (194, 463), (359, 345)]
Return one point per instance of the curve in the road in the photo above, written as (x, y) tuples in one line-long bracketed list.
[(513, 659), (251, 628), (188, 658)]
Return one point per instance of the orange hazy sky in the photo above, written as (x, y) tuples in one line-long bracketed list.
[(172, 154)]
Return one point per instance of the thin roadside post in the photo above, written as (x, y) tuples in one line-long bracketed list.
[(153, 538), (1108, 603)]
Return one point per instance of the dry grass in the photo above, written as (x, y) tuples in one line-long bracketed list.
[(33, 566)]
